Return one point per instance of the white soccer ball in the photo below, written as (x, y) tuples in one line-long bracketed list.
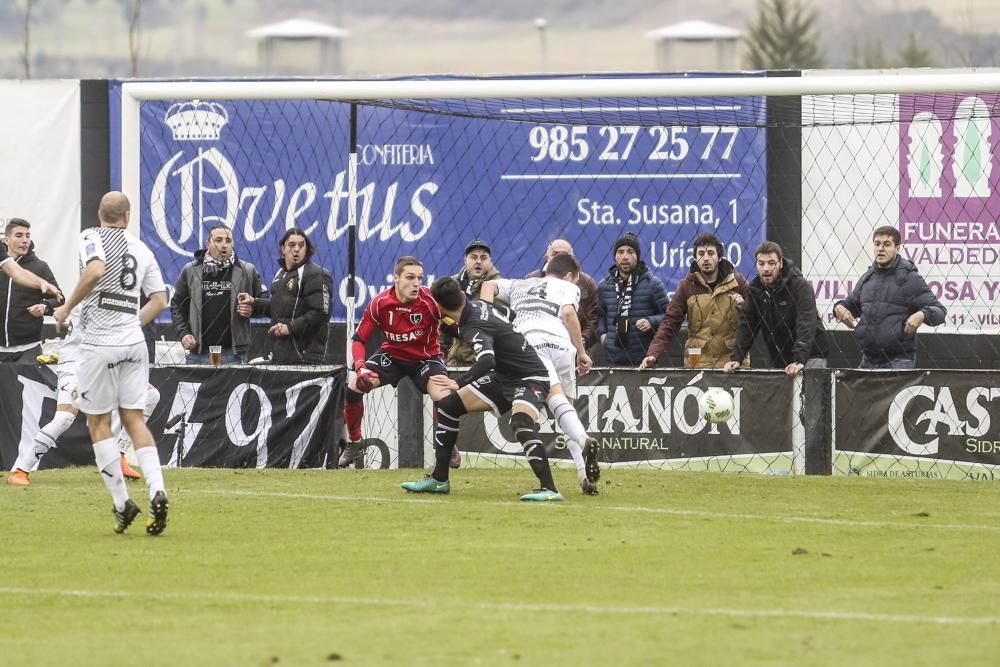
[(716, 405)]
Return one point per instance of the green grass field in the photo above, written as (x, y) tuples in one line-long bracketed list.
[(320, 567)]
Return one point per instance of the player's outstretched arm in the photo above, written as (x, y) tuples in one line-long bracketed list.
[(26, 278), (488, 291)]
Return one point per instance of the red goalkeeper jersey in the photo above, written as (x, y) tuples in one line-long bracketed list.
[(411, 329)]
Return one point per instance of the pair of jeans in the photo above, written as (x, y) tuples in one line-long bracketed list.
[(897, 364)]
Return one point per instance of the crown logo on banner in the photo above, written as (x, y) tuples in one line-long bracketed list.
[(196, 120)]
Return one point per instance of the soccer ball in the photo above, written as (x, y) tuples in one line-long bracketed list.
[(716, 405)]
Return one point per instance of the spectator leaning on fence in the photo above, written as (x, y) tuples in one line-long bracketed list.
[(588, 292), (781, 306), (887, 306), (299, 304), (630, 303), (23, 308), (478, 269), (204, 306), (710, 297)]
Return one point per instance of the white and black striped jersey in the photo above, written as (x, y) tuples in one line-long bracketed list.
[(538, 302), (488, 331), (109, 315)]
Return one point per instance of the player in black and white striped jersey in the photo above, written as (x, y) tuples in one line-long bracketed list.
[(116, 270), (545, 312)]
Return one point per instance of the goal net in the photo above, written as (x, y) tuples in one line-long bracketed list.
[(374, 170)]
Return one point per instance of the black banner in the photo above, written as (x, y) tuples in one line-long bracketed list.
[(653, 417), (233, 416), (920, 416), (28, 402)]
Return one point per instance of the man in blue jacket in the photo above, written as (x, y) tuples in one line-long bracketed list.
[(889, 303), (630, 305)]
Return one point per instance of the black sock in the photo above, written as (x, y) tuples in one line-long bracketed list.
[(526, 431), (445, 437)]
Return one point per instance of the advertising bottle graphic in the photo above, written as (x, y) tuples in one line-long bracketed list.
[(925, 158), (973, 163)]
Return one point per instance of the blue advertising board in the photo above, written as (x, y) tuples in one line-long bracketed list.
[(515, 173)]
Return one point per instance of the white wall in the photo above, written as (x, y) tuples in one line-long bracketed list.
[(40, 168)]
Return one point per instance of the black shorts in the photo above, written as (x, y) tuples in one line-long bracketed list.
[(391, 370), (502, 395)]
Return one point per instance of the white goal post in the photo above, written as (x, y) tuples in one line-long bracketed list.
[(852, 136), (135, 92)]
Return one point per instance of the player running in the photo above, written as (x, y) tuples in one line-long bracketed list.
[(545, 312), (30, 453), (117, 269), (409, 321), (506, 375)]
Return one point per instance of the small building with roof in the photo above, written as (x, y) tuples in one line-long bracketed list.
[(299, 47), (696, 45)]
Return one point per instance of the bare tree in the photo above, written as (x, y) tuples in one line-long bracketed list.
[(134, 30), (869, 56), (967, 47), (26, 56)]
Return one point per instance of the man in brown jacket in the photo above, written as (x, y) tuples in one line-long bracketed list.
[(711, 298), (588, 292)]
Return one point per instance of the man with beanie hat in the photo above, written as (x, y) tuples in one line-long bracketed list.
[(630, 304)]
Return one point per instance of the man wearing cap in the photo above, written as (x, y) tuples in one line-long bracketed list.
[(588, 292), (478, 269), (630, 305)]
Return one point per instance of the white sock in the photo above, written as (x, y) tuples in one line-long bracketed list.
[(106, 454), (149, 461), (570, 424), (29, 453)]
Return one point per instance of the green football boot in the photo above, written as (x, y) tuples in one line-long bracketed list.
[(543, 495), (427, 485)]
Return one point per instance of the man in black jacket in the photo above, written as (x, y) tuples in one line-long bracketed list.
[(781, 306), (23, 308), (203, 306), (299, 304)]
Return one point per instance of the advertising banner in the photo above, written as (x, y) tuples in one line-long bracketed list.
[(652, 419), (926, 164), (921, 424), (231, 417), (949, 199), (28, 402), (248, 416), (515, 173)]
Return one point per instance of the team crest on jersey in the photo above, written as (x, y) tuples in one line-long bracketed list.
[(416, 318), (290, 284)]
